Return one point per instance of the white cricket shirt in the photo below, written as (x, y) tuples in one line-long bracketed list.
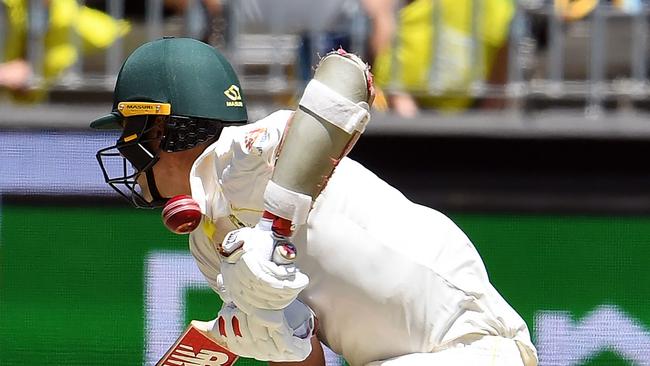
[(388, 277)]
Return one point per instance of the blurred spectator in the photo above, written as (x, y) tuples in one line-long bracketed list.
[(434, 50), (65, 18), (574, 9), (578, 9), (296, 16), (211, 11), (321, 25), (213, 7)]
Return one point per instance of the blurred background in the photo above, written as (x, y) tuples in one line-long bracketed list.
[(525, 121)]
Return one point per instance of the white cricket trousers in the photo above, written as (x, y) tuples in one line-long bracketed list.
[(485, 351)]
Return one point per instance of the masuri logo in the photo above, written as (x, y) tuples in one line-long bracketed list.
[(234, 95)]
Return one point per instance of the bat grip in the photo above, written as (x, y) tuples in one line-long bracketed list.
[(279, 225)]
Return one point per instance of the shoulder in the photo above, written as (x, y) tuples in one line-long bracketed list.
[(277, 120), (273, 124)]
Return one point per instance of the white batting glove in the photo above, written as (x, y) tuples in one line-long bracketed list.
[(258, 271), (287, 340)]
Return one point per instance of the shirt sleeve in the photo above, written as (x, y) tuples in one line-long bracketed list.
[(244, 178), (206, 258)]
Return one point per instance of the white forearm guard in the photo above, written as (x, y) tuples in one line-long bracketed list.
[(333, 113), (336, 109)]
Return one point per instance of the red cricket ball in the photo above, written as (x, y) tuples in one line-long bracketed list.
[(181, 214)]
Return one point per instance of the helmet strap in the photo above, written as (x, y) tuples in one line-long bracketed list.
[(157, 199)]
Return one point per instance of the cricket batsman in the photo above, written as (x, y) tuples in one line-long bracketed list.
[(302, 244)]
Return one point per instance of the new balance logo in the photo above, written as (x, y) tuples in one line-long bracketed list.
[(184, 356), (194, 348)]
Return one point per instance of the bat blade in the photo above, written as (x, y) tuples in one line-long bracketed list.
[(197, 348)]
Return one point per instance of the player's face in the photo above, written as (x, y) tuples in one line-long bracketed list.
[(171, 172), (147, 175), (127, 165)]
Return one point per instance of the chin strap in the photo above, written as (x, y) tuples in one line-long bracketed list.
[(156, 199)]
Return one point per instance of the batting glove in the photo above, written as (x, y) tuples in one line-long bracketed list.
[(284, 339), (258, 270)]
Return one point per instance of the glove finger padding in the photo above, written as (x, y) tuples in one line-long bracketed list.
[(247, 336), (234, 329), (250, 275), (250, 286), (280, 280)]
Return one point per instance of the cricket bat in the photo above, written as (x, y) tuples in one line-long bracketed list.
[(197, 348)]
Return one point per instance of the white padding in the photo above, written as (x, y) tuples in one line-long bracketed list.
[(326, 103), (285, 203)]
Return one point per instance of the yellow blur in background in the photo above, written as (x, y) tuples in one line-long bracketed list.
[(455, 69), (66, 20)]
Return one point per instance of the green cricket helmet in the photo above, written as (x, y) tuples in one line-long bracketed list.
[(183, 83)]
